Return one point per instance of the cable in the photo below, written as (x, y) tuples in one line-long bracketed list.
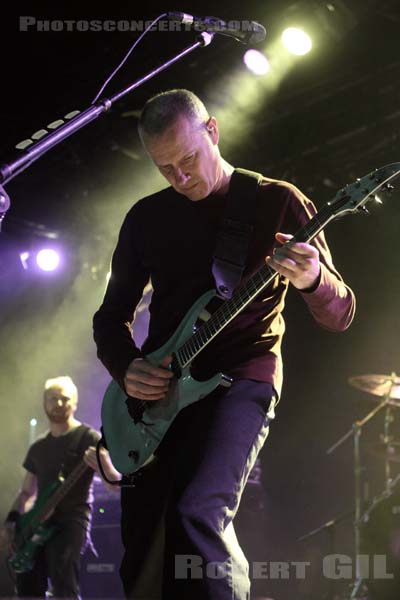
[(127, 55)]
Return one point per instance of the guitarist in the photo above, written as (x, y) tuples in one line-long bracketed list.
[(61, 449), (193, 490)]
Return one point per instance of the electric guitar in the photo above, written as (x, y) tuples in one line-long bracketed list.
[(133, 428), (32, 531)]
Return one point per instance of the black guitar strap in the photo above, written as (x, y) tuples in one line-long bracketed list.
[(233, 239), (75, 449)]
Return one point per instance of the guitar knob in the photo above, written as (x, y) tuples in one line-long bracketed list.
[(226, 381), (224, 290)]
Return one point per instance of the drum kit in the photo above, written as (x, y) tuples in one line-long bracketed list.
[(373, 526)]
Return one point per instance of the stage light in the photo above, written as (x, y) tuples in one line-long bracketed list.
[(47, 259), (24, 259), (256, 62), (296, 41)]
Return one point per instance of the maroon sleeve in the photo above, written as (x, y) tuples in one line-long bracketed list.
[(112, 322), (331, 302)]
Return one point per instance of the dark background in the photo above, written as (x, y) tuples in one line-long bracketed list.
[(332, 117)]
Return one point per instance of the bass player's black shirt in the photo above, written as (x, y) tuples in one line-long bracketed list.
[(50, 455)]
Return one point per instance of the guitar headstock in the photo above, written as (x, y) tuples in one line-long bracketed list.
[(354, 197)]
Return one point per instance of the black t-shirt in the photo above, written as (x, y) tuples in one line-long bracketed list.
[(50, 455)]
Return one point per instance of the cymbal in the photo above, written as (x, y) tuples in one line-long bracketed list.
[(391, 450), (378, 385)]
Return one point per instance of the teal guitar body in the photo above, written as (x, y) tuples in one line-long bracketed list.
[(131, 445)]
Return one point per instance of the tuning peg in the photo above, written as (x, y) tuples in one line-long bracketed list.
[(388, 188)]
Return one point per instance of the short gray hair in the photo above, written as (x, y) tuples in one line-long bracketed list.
[(162, 110)]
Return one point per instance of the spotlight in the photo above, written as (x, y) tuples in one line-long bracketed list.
[(24, 259), (47, 259), (256, 62), (296, 41)]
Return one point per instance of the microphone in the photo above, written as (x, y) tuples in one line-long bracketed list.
[(246, 32)]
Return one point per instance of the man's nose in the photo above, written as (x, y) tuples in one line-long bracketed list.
[(59, 402), (181, 177)]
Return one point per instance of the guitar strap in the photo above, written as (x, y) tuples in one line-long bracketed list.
[(75, 449), (234, 236)]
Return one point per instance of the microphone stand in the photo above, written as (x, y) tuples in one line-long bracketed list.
[(10, 170), (355, 431)]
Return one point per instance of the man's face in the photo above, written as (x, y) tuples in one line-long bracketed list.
[(58, 404), (188, 157)]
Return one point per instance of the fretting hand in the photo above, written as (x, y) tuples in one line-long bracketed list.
[(297, 261)]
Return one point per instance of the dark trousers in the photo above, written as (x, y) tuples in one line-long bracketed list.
[(179, 514), (58, 561)]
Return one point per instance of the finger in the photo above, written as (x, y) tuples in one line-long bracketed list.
[(147, 367), (281, 261), (304, 262), (145, 378), (149, 389), (304, 249), (140, 396), (166, 361), (144, 390), (300, 247), (283, 237), (294, 268), (282, 270)]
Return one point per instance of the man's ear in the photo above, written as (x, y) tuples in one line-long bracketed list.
[(212, 128)]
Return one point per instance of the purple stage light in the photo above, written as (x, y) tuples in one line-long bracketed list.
[(256, 62), (47, 259), (24, 259)]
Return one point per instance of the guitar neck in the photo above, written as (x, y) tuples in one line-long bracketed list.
[(63, 490), (246, 293)]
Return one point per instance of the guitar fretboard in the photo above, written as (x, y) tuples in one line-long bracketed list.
[(60, 492), (250, 289)]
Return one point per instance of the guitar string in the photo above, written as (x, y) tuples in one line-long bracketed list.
[(243, 295)]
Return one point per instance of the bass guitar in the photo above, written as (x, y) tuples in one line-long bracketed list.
[(132, 428), (32, 530)]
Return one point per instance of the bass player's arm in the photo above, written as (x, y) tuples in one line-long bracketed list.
[(22, 502)]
